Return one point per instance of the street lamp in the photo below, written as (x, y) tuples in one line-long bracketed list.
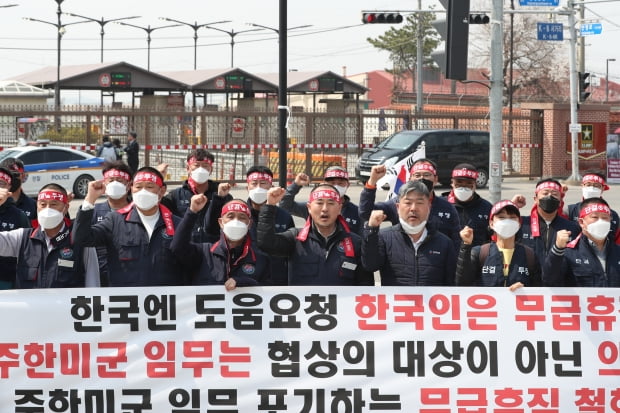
[(607, 78), (148, 31), (277, 30), (102, 22), (194, 26), (232, 35), (60, 30)]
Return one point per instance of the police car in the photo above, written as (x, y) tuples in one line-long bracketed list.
[(56, 164)]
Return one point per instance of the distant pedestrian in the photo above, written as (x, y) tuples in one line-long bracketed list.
[(106, 150), (132, 150), (117, 147)]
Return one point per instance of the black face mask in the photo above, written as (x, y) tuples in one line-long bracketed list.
[(549, 204), (428, 184)]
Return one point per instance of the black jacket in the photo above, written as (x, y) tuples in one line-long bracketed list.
[(474, 214), (391, 251), (315, 260), (490, 273), (133, 258), (578, 266), (217, 262), (206, 228), (542, 243)]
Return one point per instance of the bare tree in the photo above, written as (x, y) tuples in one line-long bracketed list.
[(540, 68)]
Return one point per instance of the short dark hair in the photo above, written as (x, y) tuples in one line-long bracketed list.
[(12, 164), (105, 138), (16, 181), (56, 187), (260, 169), (201, 155), (597, 173), (119, 166), (133, 134)]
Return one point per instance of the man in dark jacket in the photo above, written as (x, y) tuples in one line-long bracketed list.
[(199, 168), (23, 202), (137, 237), (334, 175), (117, 178), (233, 260), (591, 259), (132, 149), (11, 218), (473, 210), (443, 215), (410, 252), (539, 229), (45, 256), (324, 251), (592, 186)]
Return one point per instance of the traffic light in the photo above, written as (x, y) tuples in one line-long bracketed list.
[(387, 18), (479, 18), (455, 33), (584, 84)]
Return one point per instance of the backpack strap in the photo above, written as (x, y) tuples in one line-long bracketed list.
[(483, 253)]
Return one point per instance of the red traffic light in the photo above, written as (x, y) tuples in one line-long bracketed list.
[(387, 18)]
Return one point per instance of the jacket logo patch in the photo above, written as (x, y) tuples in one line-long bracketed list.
[(248, 269), (433, 252), (340, 247), (66, 253)]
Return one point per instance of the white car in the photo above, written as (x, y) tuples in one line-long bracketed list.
[(56, 164)]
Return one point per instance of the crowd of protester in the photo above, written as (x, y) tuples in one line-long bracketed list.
[(132, 231)]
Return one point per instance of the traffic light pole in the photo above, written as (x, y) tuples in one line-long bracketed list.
[(573, 127)]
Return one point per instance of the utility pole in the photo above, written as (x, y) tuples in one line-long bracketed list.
[(496, 101)]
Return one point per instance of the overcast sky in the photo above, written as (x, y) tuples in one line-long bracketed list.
[(336, 38)]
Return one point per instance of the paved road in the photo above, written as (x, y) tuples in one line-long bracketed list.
[(510, 187)]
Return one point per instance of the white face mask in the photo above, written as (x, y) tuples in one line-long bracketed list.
[(341, 189), (235, 230), (116, 190), (463, 194), (599, 229), (412, 229), (506, 228), (200, 175), (258, 195), (145, 200), (49, 218), (591, 192)]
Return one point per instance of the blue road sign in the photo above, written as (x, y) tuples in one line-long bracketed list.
[(548, 3), (587, 29), (550, 31)]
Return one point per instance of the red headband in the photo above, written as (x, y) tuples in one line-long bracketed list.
[(236, 206), (5, 177), (193, 159), (148, 177), (336, 173), (325, 194), (423, 167), (259, 176), (465, 173), (501, 205), (595, 178), (590, 208), (52, 195), (115, 173), (549, 185)]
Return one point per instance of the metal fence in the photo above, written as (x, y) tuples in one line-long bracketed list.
[(240, 139)]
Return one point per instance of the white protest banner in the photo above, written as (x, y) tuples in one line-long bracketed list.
[(310, 349)]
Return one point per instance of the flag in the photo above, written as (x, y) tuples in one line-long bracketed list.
[(398, 174)]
